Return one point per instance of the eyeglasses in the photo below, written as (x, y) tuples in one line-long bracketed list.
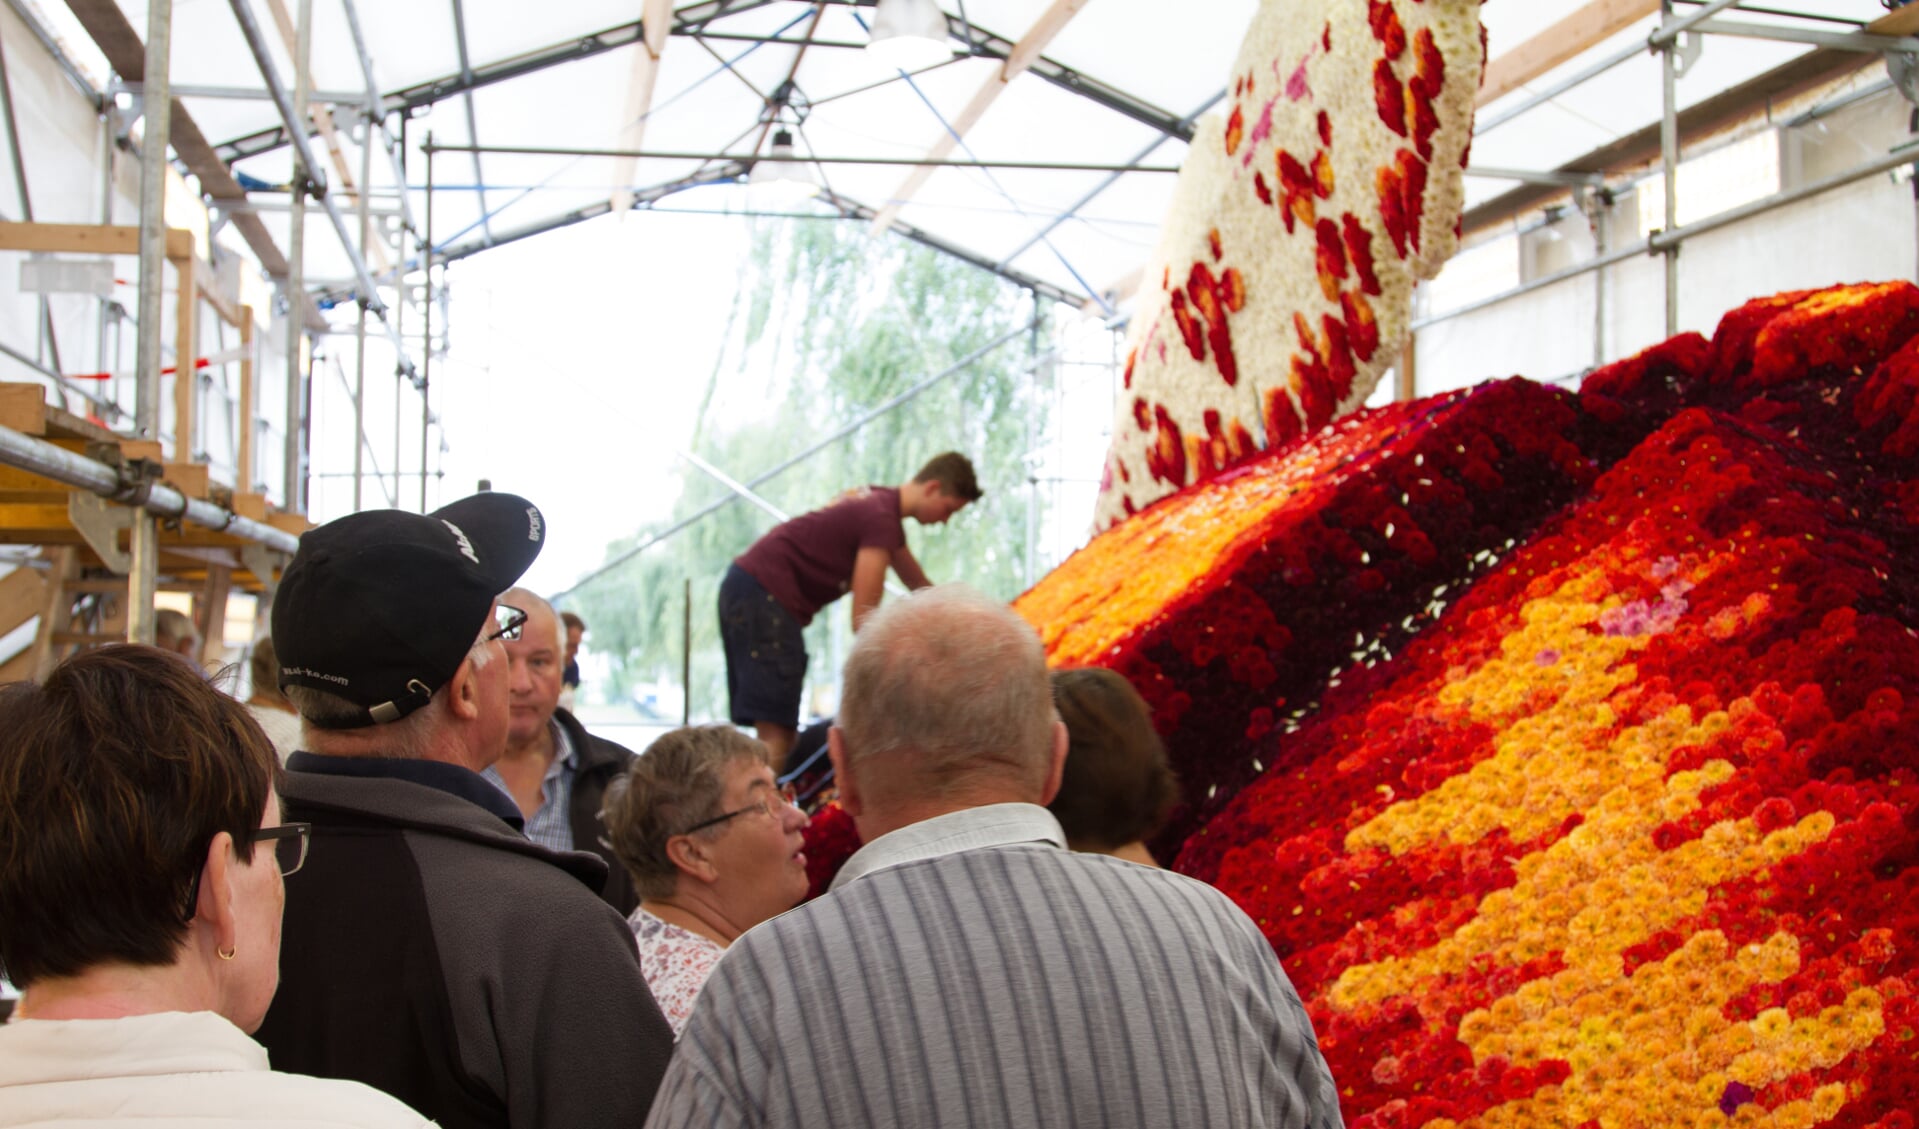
[(771, 806), (289, 854), (289, 844), (510, 622)]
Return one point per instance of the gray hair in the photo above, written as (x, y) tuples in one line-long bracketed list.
[(405, 739), (170, 627), (955, 680), (676, 784), (529, 602)]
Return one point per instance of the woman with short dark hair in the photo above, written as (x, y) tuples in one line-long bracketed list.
[(713, 845), (1117, 789), (141, 866)]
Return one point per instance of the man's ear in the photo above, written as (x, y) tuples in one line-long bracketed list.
[(463, 690), (849, 792), (686, 853), (1057, 769)]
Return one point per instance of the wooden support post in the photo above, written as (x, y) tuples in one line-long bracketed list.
[(57, 610), (211, 616), (23, 594), (1406, 374), (23, 407), (186, 372), (244, 457)]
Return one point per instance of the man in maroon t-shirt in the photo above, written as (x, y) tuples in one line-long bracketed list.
[(776, 587)]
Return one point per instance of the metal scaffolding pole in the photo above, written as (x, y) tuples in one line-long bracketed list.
[(144, 538), (297, 126), (1904, 155), (44, 459), (359, 331), (376, 108), (1669, 161), (780, 468), (426, 314), (296, 270)]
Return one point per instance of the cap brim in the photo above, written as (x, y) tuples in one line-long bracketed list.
[(506, 530)]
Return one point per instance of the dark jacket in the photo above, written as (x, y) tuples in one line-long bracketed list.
[(431, 951), (600, 761)]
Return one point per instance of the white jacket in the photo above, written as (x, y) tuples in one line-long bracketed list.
[(174, 1070)]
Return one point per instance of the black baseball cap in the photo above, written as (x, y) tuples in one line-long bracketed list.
[(381, 607)]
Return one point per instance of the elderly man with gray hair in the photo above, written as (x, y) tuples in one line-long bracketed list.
[(967, 969)]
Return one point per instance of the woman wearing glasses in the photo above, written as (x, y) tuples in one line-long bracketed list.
[(141, 861), (713, 845)]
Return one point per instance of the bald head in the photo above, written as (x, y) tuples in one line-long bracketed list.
[(946, 694)]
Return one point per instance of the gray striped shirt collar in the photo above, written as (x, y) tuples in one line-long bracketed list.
[(995, 825)]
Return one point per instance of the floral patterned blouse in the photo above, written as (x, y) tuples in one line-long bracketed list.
[(675, 962)]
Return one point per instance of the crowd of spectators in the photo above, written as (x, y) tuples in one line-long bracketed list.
[(453, 904)]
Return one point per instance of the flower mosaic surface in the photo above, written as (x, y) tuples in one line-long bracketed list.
[(1616, 825), (1281, 288)]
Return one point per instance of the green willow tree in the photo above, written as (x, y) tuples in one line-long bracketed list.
[(828, 324)]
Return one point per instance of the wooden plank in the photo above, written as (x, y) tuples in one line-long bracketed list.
[(63, 424), (253, 507), (1029, 47), (19, 668), (88, 239), (17, 480), (23, 407), (211, 615), (191, 479), (148, 449), (1899, 21), (54, 613), (226, 305), (656, 20), (1564, 41), (23, 593), (1407, 375), (295, 524), (186, 374)]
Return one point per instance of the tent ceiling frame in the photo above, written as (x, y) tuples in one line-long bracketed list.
[(693, 21)]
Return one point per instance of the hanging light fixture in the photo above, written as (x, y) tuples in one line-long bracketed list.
[(908, 34), (781, 172)]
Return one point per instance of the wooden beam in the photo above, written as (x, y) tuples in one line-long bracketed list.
[(1049, 24), (656, 21), (212, 617), (23, 594), (1406, 376), (1899, 21), (186, 370), (1564, 41), (23, 407), (226, 305), (88, 239)]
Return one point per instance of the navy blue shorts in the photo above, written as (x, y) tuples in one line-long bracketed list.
[(765, 654)]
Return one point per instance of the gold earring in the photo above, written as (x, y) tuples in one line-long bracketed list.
[(229, 954)]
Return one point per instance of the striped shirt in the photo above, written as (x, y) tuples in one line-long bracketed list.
[(1005, 982), (550, 825)]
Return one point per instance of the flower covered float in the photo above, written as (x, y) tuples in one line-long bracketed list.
[(1607, 813), (1307, 208)]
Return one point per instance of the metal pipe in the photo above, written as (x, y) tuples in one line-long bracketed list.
[(1529, 176), (296, 127), (686, 651), (749, 158), (1904, 155), (1862, 42), (42, 458), (1488, 124), (297, 423), (359, 332), (1669, 149), (472, 123), (735, 485), (426, 314), (1669, 29), (245, 93), (781, 468), (376, 107), (145, 535)]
